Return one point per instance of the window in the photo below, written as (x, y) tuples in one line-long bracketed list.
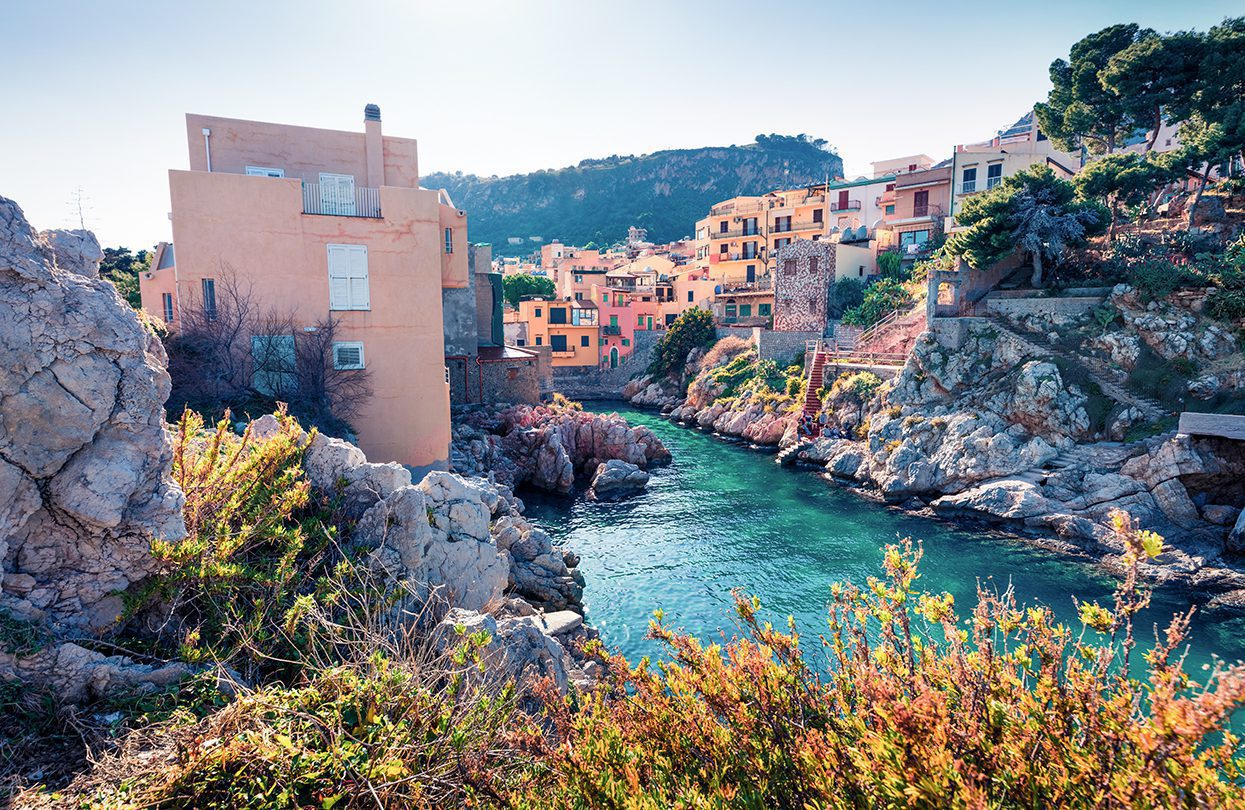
[(520, 342), (890, 186), (273, 359), (584, 340), (920, 203), (812, 264), (209, 298), (539, 340), (750, 250), (723, 249), (765, 310), (166, 300), (348, 284), (539, 312), (626, 341), (730, 310), (348, 355), (605, 299), (722, 226), (449, 240), (614, 321), (264, 171), (788, 267), (994, 174), (557, 314), (557, 342), (818, 214), (745, 310), (779, 244), (889, 210), (750, 226), (639, 321), (690, 297), (970, 180), (579, 296), (337, 194), (782, 224)]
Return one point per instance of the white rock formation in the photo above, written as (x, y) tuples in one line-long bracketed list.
[(84, 457)]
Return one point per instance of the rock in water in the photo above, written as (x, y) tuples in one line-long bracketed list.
[(617, 479), (84, 457)]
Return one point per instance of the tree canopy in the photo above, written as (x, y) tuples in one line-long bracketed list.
[(1124, 178), (1032, 211), (693, 328), (522, 285), (122, 267)]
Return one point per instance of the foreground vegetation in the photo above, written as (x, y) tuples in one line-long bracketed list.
[(902, 701)]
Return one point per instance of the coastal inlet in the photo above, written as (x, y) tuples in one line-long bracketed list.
[(723, 517)]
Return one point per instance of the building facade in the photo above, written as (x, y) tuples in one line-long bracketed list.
[(325, 229)]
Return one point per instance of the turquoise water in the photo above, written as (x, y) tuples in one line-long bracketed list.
[(723, 517)]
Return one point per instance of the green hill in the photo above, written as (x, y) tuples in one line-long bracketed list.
[(663, 192)]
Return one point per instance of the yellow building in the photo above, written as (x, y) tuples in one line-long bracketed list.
[(571, 329)]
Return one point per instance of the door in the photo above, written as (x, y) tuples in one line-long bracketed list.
[(920, 204), (337, 194), (650, 323), (842, 200), (614, 357), (752, 273)]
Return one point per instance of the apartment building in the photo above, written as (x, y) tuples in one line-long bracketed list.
[(618, 325), (324, 229), (922, 201), (571, 329), (977, 167)]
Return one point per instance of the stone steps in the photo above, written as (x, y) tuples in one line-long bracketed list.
[(788, 455), (1095, 369)]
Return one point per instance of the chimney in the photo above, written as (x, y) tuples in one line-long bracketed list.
[(374, 146)]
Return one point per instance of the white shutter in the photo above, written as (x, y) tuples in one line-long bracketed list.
[(348, 355), (337, 193), (348, 281)]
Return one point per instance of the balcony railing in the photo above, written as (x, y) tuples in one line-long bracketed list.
[(968, 187), (850, 205), (611, 330), (765, 282), (926, 210), (991, 182), (737, 232), (336, 201)]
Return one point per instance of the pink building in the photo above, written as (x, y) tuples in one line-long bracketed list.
[(322, 226), (618, 322)]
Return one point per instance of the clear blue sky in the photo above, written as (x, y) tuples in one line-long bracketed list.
[(100, 88)]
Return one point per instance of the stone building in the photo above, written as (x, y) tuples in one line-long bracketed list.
[(805, 271)]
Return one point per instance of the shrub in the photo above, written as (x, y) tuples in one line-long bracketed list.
[(859, 386), (881, 298), (725, 350), (692, 329), (909, 705), (845, 294)]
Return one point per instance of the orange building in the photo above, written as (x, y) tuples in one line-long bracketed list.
[(322, 227), (571, 329)]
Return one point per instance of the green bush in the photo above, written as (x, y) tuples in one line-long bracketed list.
[(692, 329), (845, 294), (880, 299)]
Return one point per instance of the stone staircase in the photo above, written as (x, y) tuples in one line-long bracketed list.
[(1109, 380), (816, 378), (788, 455)]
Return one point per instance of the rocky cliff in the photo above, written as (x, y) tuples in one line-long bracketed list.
[(548, 447), (84, 458)]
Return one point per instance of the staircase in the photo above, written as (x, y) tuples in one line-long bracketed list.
[(1108, 379), (788, 455), (816, 376)]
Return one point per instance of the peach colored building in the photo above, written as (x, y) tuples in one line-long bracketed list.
[(323, 225), (570, 328), (617, 325)]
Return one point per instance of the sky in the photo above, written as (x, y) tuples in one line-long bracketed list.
[(101, 89)]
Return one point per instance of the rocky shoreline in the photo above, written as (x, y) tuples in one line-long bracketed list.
[(982, 425)]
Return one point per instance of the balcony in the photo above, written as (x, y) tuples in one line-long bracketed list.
[(735, 233), (339, 201), (926, 210), (850, 205), (765, 282), (755, 320), (611, 330), (808, 226)]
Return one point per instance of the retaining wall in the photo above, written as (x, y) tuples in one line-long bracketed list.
[(590, 382)]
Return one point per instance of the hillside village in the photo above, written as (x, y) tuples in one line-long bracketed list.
[(280, 506)]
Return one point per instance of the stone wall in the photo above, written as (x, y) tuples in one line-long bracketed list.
[(781, 346), (509, 381), (1021, 307), (802, 279)]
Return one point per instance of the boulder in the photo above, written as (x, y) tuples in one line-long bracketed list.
[(85, 459), (1009, 499), (1236, 538), (75, 674), (519, 649), (617, 479)]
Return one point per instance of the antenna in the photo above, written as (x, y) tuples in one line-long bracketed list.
[(78, 206)]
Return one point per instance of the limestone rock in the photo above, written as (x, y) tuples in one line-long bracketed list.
[(617, 479), (1010, 499), (84, 475), (75, 674), (1236, 538)]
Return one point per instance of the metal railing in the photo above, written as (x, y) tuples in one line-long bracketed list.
[(336, 201), (850, 205), (968, 187), (611, 330), (736, 232), (765, 282), (927, 210)]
